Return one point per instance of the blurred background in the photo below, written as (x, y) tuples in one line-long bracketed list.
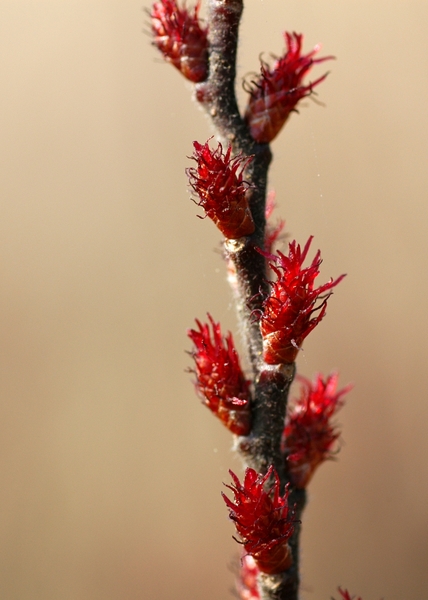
[(111, 470)]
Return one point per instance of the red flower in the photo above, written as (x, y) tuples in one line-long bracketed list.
[(219, 377), (221, 189), (278, 90), (262, 519), (247, 584), (309, 436), (272, 231), (181, 39), (346, 595), (288, 311)]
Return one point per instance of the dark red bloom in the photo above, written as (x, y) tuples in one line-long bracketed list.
[(288, 312), (278, 90), (181, 39), (263, 519), (309, 435), (346, 595), (272, 231), (247, 583), (218, 182), (219, 377)]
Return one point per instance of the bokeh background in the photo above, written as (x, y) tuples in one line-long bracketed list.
[(111, 470)]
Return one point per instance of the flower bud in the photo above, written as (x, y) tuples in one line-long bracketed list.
[(346, 595), (309, 436), (247, 584), (275, 94), (263, 519), (219, 377), (272, 232), (181, 39), (222, 192), (288, 311)]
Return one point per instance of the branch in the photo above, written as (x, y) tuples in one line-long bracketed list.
[(231, 183), (247, 273), (217, 96)]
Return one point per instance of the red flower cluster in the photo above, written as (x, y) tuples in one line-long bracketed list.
[(263, 519), (288, 311), (219, 377), (181, 39), (222, 192), (346, 595), (278, 90), (247, 584), (309, 436)]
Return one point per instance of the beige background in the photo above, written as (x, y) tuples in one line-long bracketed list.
[(111, 471)]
